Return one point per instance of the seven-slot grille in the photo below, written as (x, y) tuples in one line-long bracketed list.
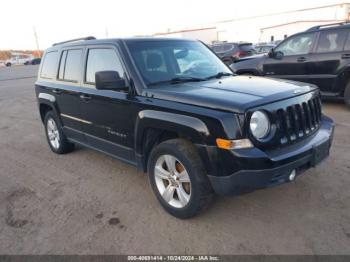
[(299, 120)]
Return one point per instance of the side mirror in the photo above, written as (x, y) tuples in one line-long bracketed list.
[(109, 80), (271, 53)]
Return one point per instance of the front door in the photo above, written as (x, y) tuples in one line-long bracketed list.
[(111, 115), (290, 60)]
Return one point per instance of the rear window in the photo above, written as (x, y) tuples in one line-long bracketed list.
[(246, 47), (49, 67), (223, 48)]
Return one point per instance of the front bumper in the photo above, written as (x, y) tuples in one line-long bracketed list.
[(274, 167)]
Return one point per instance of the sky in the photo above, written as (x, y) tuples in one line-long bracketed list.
[(59, 20)]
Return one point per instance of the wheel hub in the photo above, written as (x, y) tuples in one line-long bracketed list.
[(53, 134), (172, 181)]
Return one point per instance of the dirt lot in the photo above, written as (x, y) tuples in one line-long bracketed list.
[(89, 203)]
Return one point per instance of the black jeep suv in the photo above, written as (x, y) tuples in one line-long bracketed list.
[(320, 55), (172, 108)]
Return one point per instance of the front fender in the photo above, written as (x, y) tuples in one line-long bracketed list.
[(190, 126)]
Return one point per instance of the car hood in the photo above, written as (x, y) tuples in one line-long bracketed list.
[(234, 94)]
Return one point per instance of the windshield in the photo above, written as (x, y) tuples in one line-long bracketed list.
[(162, 61)]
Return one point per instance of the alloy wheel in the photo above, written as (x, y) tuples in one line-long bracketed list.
[(172, 181), (53, 134)]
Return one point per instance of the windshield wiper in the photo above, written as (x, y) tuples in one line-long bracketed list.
[(219, 75), (177, 80)]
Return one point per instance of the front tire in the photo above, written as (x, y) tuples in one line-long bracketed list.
[(178, 178), (55, 137)]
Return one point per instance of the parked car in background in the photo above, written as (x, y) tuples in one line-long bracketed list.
[(17, 60), (230, 52), (263, 48), (320, 55), (35, 61)]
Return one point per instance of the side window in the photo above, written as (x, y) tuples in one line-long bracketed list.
[(73, 65), (49, 67), (331, 41), (347, 43), (102, 60), (296, 45)]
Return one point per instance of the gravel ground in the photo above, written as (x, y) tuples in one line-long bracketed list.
[(88, 203)]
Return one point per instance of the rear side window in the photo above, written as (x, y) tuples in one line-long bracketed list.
[(347, 44), (331, 41), (102, 60), (72, 68), (49, 67)]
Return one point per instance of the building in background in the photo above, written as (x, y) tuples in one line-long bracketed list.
[(207, 34), (266, 28)]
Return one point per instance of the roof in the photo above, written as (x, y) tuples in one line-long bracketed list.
[(90, 41), (344, 24)]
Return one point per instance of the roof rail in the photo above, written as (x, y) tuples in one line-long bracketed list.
[(75, 40), (326, 25)]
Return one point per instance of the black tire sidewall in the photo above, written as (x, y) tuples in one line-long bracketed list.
[(193, 171)]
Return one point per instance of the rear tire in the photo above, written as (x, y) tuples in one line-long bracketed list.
[(55, 137), (183, 189)]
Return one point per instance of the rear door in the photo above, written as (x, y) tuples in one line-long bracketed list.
[(293, 61), (328, 59), (67, 90)]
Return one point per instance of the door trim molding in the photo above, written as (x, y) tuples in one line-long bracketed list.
[(77, 119)]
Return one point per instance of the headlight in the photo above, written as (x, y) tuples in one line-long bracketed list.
[(259, 125)]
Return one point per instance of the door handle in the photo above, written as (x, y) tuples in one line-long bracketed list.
[(57, 91), (345, 56), (85, 97), (301, 59)]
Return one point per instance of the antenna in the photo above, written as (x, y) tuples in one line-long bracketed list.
[(36, 38)]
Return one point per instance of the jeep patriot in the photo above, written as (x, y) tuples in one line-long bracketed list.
[(173, 109)]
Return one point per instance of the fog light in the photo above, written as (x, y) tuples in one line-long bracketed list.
[(292, 175)]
